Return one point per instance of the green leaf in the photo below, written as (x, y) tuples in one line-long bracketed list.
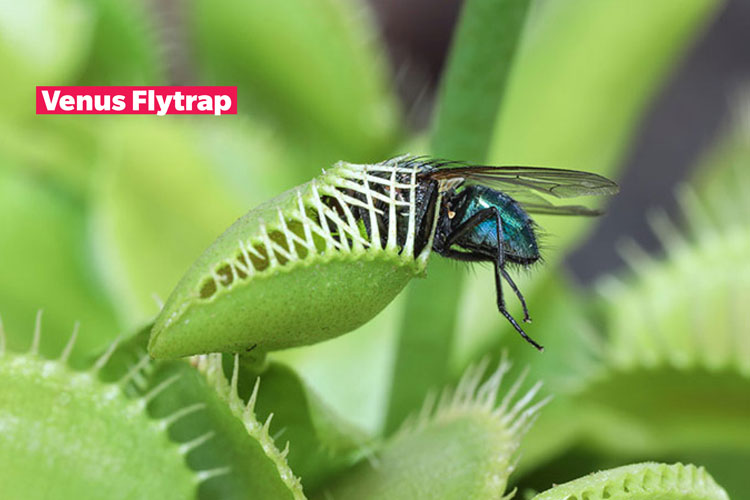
[(42, 42), (675, 412), (461, 448), (67, 434), (321, 443), (689, 302), (641, 482), (472, 87), (61, 148), (720, 180), (482, 55), (230, 448), (239, 454), (44, 264), (127, 47), (675, 329), (425, 340), (324, 81), (365, 354)]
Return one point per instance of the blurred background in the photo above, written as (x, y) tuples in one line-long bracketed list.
[(696, 102), (643, 314)]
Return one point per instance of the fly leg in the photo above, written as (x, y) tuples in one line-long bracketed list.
[(501, 273), (499, 262), (518, 293)]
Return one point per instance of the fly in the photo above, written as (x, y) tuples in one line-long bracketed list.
[(481, 213)]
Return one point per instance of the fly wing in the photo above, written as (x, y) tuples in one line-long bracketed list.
[(561, 210), (556, 182), (535, 204)]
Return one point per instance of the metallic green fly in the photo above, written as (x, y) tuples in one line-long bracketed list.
[(483, 213)]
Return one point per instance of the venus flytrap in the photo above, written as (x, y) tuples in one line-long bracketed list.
[(323, 443), (678, 326), (702, 322), (67, 434), (116, 422), (677, 331), (311, 264), (266, 463), (702, 325), (223, 437), (674, 327), (319, 261), (644, 481), (462, 447)]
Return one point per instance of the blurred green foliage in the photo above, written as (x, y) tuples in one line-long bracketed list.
[(102, 215)]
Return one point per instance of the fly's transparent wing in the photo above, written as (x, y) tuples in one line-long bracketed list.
[(535, 204), (556, 182), (561, 209)]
